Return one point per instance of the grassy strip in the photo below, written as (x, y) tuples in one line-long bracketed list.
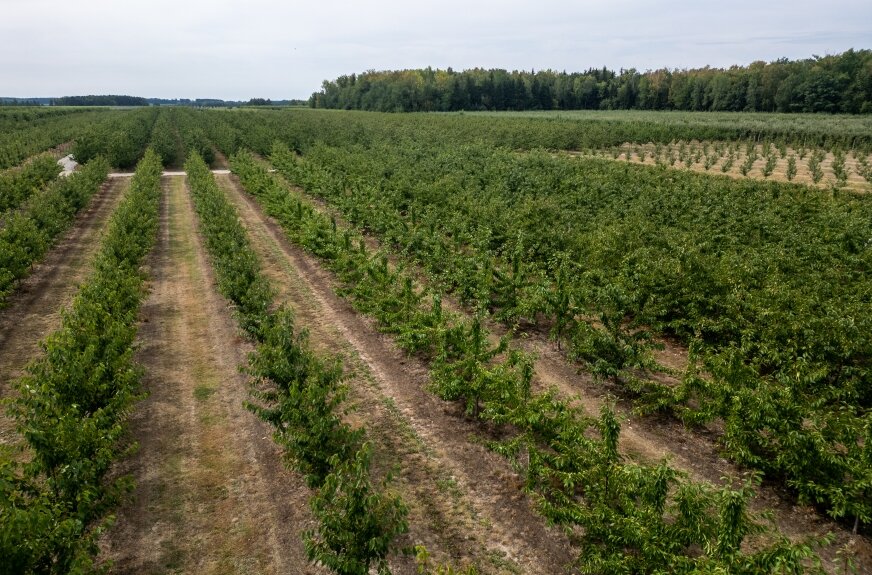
[(29, 233), (302, 396), (73, 404), (633, 518)]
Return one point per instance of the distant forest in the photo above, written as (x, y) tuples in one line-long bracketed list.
[(100, 101), (112, 100), (837, 84)]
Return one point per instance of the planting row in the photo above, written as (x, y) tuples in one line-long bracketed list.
[(300, 129), (766, 282), (29, 232), (175, 132), (816, 166), (72, 406), (121, 139), (24, 133), (18, 185), (301, 395), (633, 518)]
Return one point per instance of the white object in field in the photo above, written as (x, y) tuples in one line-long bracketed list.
[(68, 164), (130, 174)]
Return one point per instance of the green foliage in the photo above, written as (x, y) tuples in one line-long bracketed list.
[(298, 392), (102, 100), (771, 159), (179, 131), (633, 518), (791, 168), (305, 403), (25, 132), (121, 139), (864, 169), (72, 405), (356, 523), (746, 166), (16, 186), (814, 166), (28, 233), (236, 266), (837, 83), (462, 369), (165, 139), (762, 275), (301, 130), (839, 169)]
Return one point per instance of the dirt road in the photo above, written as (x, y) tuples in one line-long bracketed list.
[(211, 493)]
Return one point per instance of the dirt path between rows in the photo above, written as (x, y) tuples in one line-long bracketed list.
[(465, 502), (34, 310), (212, 496), (651, 439)]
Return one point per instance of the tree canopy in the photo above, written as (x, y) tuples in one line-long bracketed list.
[(836, 84), (109, 100)]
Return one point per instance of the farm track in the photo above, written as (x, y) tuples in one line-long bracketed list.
[(465, 502), (211, 493), (34, 310), (650, 439)]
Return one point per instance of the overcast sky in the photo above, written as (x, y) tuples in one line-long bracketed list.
[(285, 48)]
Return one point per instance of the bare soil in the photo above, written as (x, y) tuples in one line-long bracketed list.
[(34, 310), (220, 162), (466, 503), (211, 493)]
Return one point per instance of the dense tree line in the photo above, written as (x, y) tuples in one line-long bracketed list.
[(216, 103), (837, 84), (20, 102), (100, 101)]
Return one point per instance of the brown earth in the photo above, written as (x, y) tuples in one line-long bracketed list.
[(33, 311), (220, 162), (465, 502), (211, 493), (650, 439)]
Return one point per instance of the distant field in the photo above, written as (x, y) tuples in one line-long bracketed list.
[(779, 125), (839, 122)]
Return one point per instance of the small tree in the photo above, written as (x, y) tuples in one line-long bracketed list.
[(791, 168), (357, 524), (463, 367)]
